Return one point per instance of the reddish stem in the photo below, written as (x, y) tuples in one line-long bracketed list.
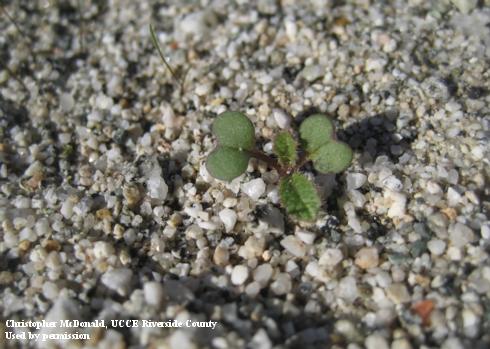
[(282, 170)]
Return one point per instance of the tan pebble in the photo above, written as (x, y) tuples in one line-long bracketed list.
[(450, 213), (101, 266), (96, 335), (118, 231), (51, 245), (24, 245), (216, 102), (124, 103), (423, 281), (398, 293), (175, 220), (266, 255), (367, 257), (267, 132), (35, 181), (103, 213), (124, 257), (6, 278), (221, 256), (132, 194)]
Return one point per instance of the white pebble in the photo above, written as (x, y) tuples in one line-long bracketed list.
[(181, 339), (103, 249), (470, 323), (42, 227), (347, 288), (478, 153), (461, 235), (433, 187), (263, 273), (239, 275), (104, 102), (194, 23), (453, 197), (157, 187), (154, 293), (229, 218), (203, 89), (374, 64), (375, 341), (396, 203), (230, 202), (282, 284), (254, 189), (392, 183), (252, 289), (50, 290), (356, 198), (291, 29), (465, 6), (306, 236), (354, 223), (67, 208), (66, 102), (452, 343), (401, 343), (312, 72), (261, 340), (282, 119), (294, 246), (436, 247), (485, 231), (454, 253), (118, 280), (331, 257)]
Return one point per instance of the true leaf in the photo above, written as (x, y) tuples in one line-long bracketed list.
[(315, 131), (226, 163), (234, 130), (285, 149), (328, 154), (299, 196)]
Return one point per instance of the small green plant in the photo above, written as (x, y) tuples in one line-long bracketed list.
[(236, 144)]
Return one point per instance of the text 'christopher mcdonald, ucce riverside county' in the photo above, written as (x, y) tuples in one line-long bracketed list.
[(112, 323)]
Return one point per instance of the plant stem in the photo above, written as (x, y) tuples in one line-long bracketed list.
[(157, 46), (302, 161), (81, 32), (14, 23), (267, 159), (282, 170)]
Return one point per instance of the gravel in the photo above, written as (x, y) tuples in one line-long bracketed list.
[(108, 212)]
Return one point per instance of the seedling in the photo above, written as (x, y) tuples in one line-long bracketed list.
[(236, 145)]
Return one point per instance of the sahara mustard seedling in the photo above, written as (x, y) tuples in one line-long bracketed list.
[(236, 145)]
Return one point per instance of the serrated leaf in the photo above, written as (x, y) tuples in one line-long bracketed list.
[(328, 154), (226, 163), (333, 157), (299, 196), (285, 149), (315, 131), (234, 130)]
